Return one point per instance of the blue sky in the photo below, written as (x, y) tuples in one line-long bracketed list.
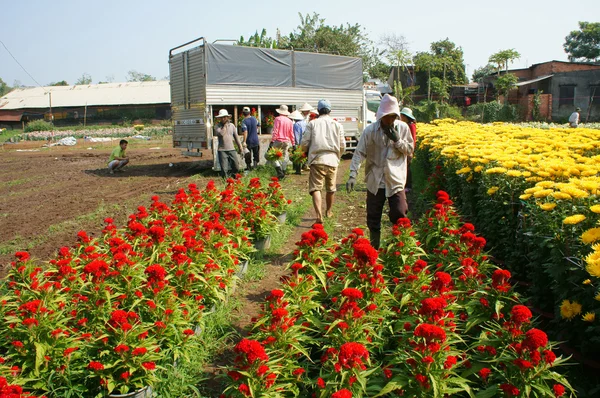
[(62, 39)]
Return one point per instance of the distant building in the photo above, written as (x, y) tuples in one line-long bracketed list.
[(97, 103), (564, 86)]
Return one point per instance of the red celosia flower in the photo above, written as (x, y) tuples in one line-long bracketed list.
[(523, 364), (149, 365), (252, 350), (520, 314), (559, 390), (121, 348), (423, 380), (139, 351), (125, 376), (320, 382), (534, 339), (549, 357), (352, 293), (95, 366), (430, 332), (298, 372), (509, 390), (500, 279), (69, 350), (352, 354), (364, 252), (244, 389), (188, 332), (262, 369), (433, 306), (484, 373), (450, 362), (343, 393)]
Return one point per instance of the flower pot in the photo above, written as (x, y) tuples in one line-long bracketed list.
[(145, 392), (281, 217), (263, 244), (269, 130), (243, 269)]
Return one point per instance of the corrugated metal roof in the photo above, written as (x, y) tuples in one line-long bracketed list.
[(131, 93), (537, 79)]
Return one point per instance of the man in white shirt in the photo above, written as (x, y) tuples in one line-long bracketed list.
[(384, 146), (574, 118), (324, 141)]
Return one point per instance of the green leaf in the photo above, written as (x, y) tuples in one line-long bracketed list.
[(40, 351), (488, 393), (396, 383)]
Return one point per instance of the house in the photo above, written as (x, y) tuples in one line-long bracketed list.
[(561, 87), (97, 103)]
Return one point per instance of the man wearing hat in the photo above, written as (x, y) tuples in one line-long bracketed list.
[(324, 141), (250, 132), (283, 138), (574, 118), (407, 117), (384, 147), (299, 128), (226, 132), (305, 109)]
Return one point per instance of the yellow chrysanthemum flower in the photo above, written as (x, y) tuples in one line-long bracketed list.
[(593, 264), (569, 310), (525, 196), (561, 196), (493, 190), (547, 206), (463, 170), (574, 219), (591, 235), (597, 297), (543, 193), (589, 317), (496, 170), (545, 184), (595, 208), (478, 169)]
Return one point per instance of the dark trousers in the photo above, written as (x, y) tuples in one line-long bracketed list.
[(408, 175), (397, 203), (252, 156), (229, 163)]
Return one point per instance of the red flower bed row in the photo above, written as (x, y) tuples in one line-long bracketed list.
[(427, 316), (105, 314)]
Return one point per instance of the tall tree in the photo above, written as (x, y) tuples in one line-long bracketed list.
[(505, 83), (4, 88), (503, 58), (257, 40), (84, 79), (483, 72), (584, 44), (135, 76)]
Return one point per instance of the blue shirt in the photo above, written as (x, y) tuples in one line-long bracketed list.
[(250, 125), (299, 128)]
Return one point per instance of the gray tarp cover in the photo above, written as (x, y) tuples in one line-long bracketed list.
[(250, 66)]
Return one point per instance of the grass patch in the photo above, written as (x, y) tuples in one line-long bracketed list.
[(13, 183), (189, 377), (6, 135)]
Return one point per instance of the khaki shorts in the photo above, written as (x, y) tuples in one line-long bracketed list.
[(319, 174)]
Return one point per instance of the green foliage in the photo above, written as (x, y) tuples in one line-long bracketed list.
[(84, 79), (493, 112), (505, 83), (503, 58), (584, 44), (135, 76), (60, 83), (256, 40), (426, 111), (484, 71), (379, 70), (4, 88), (537, 102), (38, 125)]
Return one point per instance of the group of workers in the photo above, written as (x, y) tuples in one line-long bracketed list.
[(386, 147)]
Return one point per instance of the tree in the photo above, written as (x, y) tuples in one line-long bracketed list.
[(4, 88), (584, 44), (84, 79), (135, 76), (425, 62), (257, 40), (505, 83), (483, 71), (60, 83), (503, 58)]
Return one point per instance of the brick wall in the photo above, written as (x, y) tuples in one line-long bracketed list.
[(549, 68)]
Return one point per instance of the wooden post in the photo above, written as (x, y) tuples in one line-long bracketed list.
[(85, 114), (259, 120)]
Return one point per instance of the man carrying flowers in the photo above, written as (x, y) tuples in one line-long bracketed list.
[(325, 144), (384, 146), (227, 134), (283, 138)]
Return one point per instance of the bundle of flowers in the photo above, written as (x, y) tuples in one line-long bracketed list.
[(298, 156), (274, 154), (535, 194), (105, 314), (416, 319)]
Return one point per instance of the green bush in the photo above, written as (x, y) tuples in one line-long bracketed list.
[(493, 112), (426, 111), (38, 125)]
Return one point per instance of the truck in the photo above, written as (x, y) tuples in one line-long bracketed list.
[(206, 77)]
